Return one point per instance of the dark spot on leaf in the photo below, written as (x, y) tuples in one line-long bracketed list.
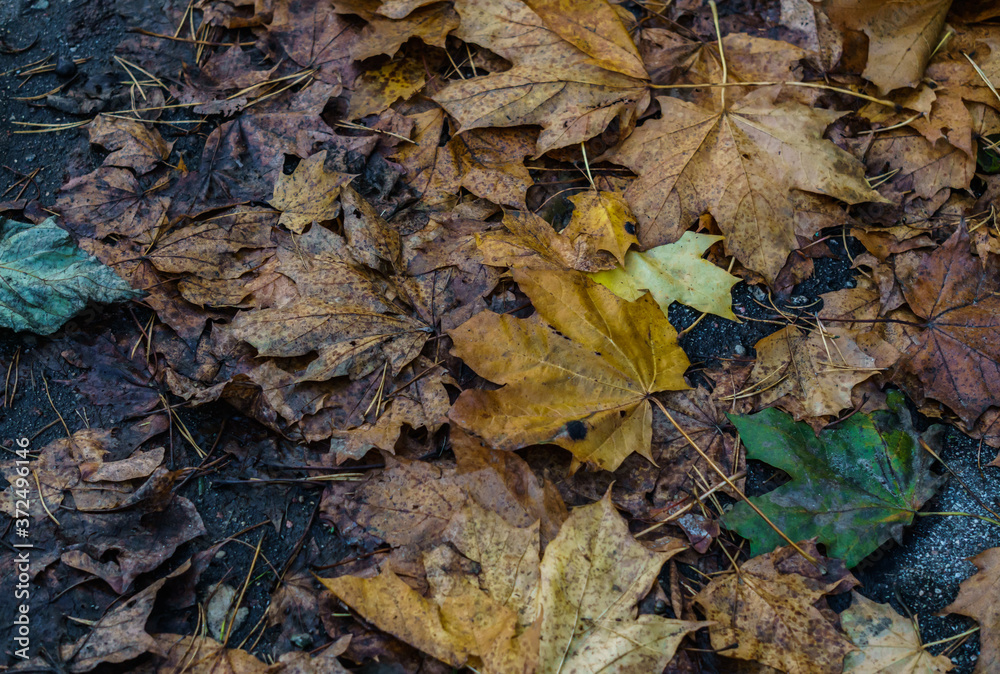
[(630, 228), (577, 430)]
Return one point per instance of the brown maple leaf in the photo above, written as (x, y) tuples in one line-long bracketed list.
[(738, 163), (956, 357), (768, 609), (552, 84), (977, 599)]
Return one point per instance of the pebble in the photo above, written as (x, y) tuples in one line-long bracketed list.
[(65, 68)]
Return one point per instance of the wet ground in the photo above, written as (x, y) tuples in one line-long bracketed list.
[(920, 576)]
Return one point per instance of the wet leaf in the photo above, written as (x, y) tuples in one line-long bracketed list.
[(768, 612), (816, 371), (376, 90), (675, 272), (853, 486), (577, 374), (738, 163), (309, 194), (976, 600), (957, 356), (47, 280), (552, 83), (888, 642)]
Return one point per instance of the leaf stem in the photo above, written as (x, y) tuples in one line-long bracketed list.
[(960, 514), (722, 53)]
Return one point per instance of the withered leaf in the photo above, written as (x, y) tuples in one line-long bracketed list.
[(132, 144), (375, 90), (531, 243), (888, 642), (976, 600), (552, 83), (957, 356), (577, 373), (348, 340), (769, 611), (817, 371), (738, 163), (309, 194), (594, 28)]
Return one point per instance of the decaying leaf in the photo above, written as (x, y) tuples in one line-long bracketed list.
[(309, 194), (769, 611), (586, 588), (888, 642), (739, 163), (47, 279), (552, 84), (853, 486), (976, 599), (576, 374), (675, 272), (957, 356), (817, 371)]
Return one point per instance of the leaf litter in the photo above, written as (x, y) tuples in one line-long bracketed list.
[(536, 304)]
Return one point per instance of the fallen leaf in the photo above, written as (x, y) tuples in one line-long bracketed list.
[(118, 636), (957, 356), (603, 221), (976, 600), (594, 28), (769, 612), (349, 340), (309, 194), (552, 83), (675, 272), (112, 201), (432, 24), (901, 36), (578, 373), (853, 486), (47, 280), (131, 143), (888, 642), (530, 242), (314, 36), (739, 163), (375, 90), (591, 578), (816, 370)]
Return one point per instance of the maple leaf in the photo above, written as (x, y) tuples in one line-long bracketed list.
[(817, 370), (530, 242), (675, 272), (957, 356), (575, 611), (738, 163), (577, 373), (853, 486), (976, 599), (768, 610), (902, 35), (349, 340), (382, 35), (552, 84), (132, 145), (593, 27), (315, 37), (603, 221), (112, 201), (375, 90), (888, 642), (309, 194), (45, 279)]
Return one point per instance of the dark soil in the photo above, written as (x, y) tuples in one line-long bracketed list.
[(921, 575)]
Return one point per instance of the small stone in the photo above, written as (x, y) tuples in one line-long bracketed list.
[(798, 300), (65, 68), (740, 350), (220, 554), (288, 524)]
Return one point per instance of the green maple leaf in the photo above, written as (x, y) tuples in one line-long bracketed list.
[(853, 486), (45, 279), (675, 272)]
